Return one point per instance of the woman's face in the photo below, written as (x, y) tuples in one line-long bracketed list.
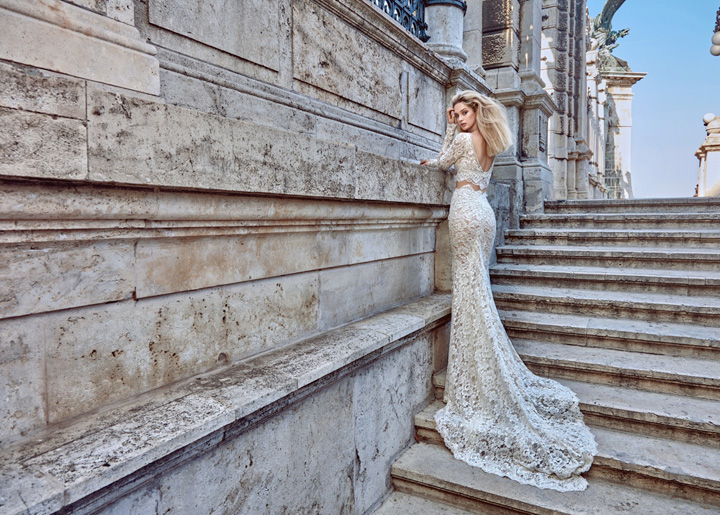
[(465, 116)]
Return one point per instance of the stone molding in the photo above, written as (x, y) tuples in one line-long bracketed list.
[(47, 212), (295, 100), (138, 237), (64, 38), (95, 461)]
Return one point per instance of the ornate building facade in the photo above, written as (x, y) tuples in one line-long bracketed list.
[(222, 264)]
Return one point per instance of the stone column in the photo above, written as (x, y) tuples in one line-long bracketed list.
[(555, 74), (618, 148), (709, 156), (99, 44), (445, 27), (472, 36), (538, 105)]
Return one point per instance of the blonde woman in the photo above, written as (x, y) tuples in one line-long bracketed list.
[(499, 416)]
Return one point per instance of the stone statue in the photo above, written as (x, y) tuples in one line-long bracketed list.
[(604, 39)]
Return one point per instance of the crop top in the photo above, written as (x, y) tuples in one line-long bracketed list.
[(458, 150)]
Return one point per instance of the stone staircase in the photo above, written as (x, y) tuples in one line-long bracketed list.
[(620, 301)]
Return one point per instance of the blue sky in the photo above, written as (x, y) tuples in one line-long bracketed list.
[(671, 42)]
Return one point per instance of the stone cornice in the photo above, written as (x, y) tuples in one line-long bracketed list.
[(620, 78), (511, 97), (34, 212)]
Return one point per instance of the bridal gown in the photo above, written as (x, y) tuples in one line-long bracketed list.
[(499, 416)]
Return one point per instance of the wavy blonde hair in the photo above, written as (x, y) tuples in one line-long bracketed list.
[(491, 120)]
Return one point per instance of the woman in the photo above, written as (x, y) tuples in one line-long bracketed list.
[(499, 416)]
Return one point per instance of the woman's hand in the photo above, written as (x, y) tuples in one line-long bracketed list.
[(451, 115)]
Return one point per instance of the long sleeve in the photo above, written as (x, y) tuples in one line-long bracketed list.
[(450, 152)]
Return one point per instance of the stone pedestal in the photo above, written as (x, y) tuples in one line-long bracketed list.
[(445, 26), (618, 148), (709, 156), (61, 37)]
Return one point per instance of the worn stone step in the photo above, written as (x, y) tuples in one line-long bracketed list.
[(657, 307), (667, 338), (431, 471), (611, 257), (689, 469), (656, 221), (401, 503), (653, 205), (656, 373), (680, 282), (676, 417), (630, 237)]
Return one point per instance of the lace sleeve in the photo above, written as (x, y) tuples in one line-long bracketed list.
[(451, 150)]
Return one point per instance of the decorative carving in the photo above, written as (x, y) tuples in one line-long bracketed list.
[(605, 40)]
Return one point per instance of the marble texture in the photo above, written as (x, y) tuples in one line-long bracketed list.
[(95, 46), (41, 92), (249, 30), (364, 72), (42, 146)]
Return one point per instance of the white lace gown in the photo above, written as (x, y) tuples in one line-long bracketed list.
[(499, 416)]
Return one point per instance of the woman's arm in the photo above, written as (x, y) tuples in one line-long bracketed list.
[(450, 152)]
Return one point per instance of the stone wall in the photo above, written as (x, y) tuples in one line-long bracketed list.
[(197, 199)]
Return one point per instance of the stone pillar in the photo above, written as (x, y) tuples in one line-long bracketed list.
[(537, 176), (500, 47), (595, 126), (709, 156), (555, 74), (99, 44), (618, 150), (445, 27), (473, 35)]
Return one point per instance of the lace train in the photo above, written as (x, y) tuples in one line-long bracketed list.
[(499, 416)]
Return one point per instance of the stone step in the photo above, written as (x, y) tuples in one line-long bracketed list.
[(630, 237), (655, 307), (643, 461), (656, 373), (635, 221), (652, 205), (679, 282), (675, 417), (400, 503), (611, 257), (431, 471), (614, 333)]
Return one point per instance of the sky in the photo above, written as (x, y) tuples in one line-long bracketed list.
[(670, 41)]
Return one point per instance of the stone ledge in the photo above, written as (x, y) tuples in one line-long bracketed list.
[(100, 458)]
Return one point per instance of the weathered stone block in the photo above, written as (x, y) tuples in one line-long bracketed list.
[(383, 396), (500, 48), (374, 286), (426, 102), (500, 14), (141, 142), (266, 471), (48, 277), (41, 92), (153, 342), (443, 258), (245, 29), (22, 377), (400, 181), (353, 67), (65, 38), (38, 145)]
